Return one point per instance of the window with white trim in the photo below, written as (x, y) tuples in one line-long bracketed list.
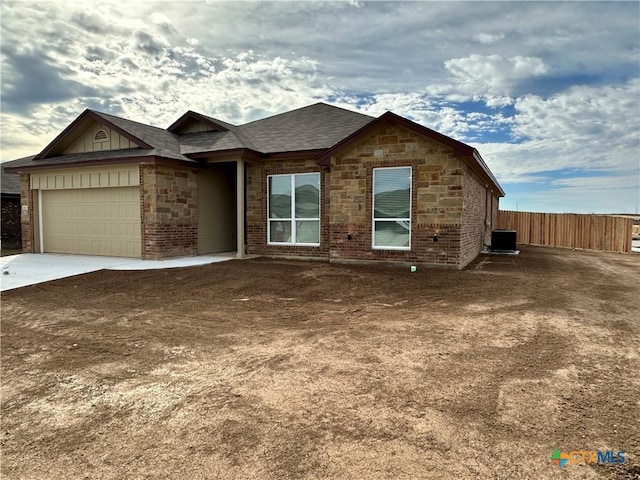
[(392, 208), (294, 209)]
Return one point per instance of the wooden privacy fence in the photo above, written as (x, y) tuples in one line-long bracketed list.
[(591, 232)]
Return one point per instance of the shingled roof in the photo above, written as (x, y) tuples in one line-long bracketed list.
[(157, 138), (319, 129), (309, 128), (10, 182), (317, 126)]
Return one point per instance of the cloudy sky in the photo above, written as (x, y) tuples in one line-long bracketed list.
[(549, 93)]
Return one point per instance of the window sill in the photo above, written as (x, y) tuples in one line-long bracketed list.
[(280, 244)]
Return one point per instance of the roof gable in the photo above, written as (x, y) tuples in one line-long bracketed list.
[(469, 154), (81, 127), (149, 136), (99, 137), (194, 122), (390, 118)]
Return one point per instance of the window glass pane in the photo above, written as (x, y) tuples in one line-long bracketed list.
[(280, 232), (392, 193), (307, 195), (308, 232), (280, 196), (391, 234)]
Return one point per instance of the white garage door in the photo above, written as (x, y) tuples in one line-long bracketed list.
[(92, 221)]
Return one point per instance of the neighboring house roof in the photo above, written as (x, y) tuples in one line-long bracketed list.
[(320, 130), (11, 181)]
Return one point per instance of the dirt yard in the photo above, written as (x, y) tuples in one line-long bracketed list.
[(263, 369)]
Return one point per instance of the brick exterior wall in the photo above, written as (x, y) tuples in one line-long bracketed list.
[(27, 215), (441, 204), (475, 213), (479, 216), (169, 211), (256, 207), (437, 198), (11, 222), (448, 200)]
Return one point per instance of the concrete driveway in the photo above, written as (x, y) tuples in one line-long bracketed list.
[(29, 269)]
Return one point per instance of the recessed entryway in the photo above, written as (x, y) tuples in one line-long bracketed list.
[(217, 206)]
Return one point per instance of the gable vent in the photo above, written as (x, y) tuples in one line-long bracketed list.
[(100, 136)]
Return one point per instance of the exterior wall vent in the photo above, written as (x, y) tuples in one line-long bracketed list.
[(100, 136)]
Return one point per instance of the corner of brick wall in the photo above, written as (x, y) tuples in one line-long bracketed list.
[(436, 198), (169, 211), (27, 214), (479, 216)]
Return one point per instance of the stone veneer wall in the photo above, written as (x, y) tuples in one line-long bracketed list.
[(256, 207), (27, 216), (437, 198), (169, 209)]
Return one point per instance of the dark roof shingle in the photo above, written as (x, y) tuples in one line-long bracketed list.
[(308, 128), (319, 127), (11, 181), (156, 137)]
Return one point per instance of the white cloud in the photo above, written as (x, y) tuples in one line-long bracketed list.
[(160, 19), (591, 128), (488, 76), (598, 183), (489, 38), (243, 87), (421, 108), (150, 74), (592, 113)]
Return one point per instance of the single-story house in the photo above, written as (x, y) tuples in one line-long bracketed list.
[(318, 181)]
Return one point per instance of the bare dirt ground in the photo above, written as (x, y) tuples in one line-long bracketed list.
[(283, 370)]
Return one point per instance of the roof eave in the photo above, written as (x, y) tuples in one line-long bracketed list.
[(293, 154), (142, 159), (242, 152), (485, 169)]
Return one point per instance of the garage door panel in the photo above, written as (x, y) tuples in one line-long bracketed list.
[(94, 221)]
